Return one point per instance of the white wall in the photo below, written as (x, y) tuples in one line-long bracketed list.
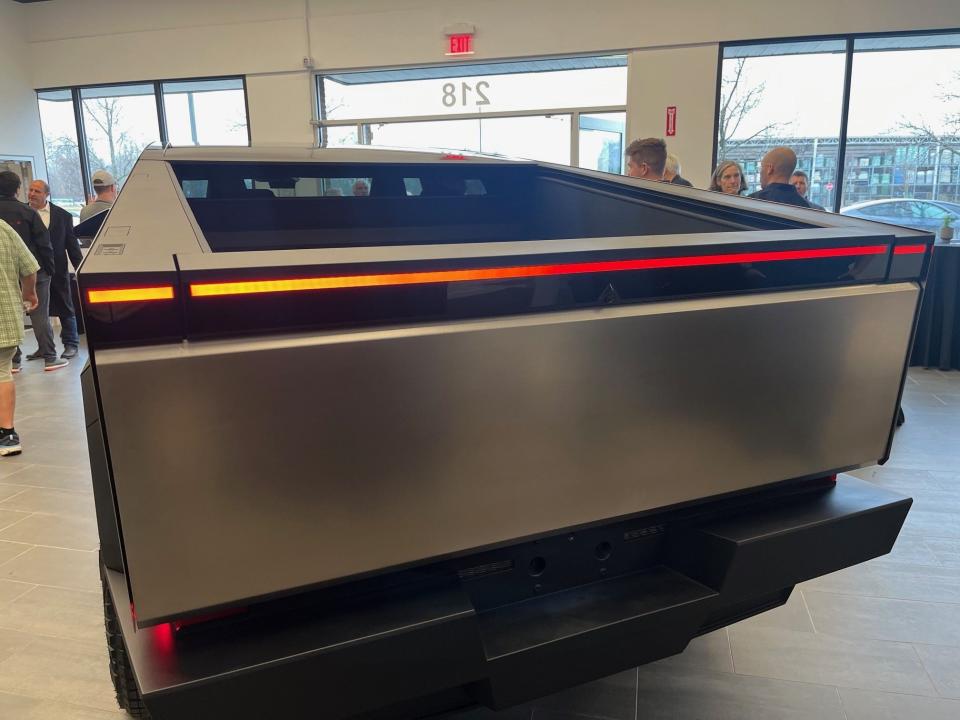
[(114, 40), (685, 78), (19, 116)]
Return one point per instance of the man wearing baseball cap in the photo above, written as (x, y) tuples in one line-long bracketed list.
[(105, 186)]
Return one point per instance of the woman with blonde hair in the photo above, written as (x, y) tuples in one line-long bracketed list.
[(728, 178)]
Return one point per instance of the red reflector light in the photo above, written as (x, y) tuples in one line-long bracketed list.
[(162, 292), (250, 287), (910, 250)]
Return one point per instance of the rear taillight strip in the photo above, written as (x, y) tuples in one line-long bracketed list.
[(251, 287), (909, 249), (138, 294)]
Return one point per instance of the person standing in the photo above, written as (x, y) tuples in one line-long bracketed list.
[(60, 224), (671, 172), (105, 186), (647, 158), (801, 182), (27, 224), (775, 170), (18, 292), (728, 178)]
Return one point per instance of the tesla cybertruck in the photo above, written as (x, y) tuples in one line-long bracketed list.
[(381, 434)]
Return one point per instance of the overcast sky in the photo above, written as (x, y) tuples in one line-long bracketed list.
[(805, 91)]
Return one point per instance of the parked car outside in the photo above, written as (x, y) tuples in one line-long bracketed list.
[(918, 214)]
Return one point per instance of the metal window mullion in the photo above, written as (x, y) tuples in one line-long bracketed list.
[(81, 143), (575, 138), (844, 122), (161, 112)]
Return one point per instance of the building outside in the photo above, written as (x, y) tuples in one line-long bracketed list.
[(877, 168)]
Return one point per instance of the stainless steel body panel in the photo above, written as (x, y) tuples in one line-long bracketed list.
[(249, 467)]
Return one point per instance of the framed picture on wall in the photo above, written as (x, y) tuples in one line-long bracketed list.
[(22, 165)]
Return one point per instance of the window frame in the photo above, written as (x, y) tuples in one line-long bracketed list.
[(850, 40), (157, 84)]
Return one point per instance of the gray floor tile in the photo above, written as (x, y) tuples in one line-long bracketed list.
[(53, 502), (672, 694), (901, 479), (945, 480), (943, 666), (12, 642), (10, 590), (885, 619), (69, 671), (828, 660), (55, 567), (709, 652), (48, 710), (898, 581), (11, 517), (791, 616), (17, 706), (9, 551), (53, 476), (56, 612), (909, 549), (863, 705), (932, 524), (947, 552), (9, 490), (67, 531)]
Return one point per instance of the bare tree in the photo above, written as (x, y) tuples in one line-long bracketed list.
[(738, 99), (947, 134), (106, 114)]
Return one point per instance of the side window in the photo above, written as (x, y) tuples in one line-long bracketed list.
[(933, 211), (413, 186), (195, 188)]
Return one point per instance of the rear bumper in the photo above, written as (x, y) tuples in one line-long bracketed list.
[(409, 650)]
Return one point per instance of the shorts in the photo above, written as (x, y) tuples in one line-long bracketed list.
[(6, 363)]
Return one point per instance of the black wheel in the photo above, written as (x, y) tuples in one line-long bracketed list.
[(128, 696)]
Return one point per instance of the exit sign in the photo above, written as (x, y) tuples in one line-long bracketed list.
[(460, 44)]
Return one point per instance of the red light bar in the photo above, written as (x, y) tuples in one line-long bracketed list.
[(250, 287), (139, 294), (910, 250)]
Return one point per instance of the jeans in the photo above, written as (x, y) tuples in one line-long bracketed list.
[(68, 332), (40, 319)]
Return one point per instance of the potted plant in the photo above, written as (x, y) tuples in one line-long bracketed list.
[(946, 230)]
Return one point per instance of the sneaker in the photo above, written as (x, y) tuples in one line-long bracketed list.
[(70, 352), (10, 445), (55, 364), (15, 366), (35, 356)]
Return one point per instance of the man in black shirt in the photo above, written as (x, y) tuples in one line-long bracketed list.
[(28, 225), (775, 170)]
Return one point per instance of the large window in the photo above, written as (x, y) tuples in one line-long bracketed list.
[(86, 129), (206, 112), (562, 110), (59, 125), (120, 121), (898, 98), (783, 95), (904, 127)]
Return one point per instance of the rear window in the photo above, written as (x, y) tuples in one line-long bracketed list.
[(270, 206)]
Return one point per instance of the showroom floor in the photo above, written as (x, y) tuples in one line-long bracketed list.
[(877, 642)]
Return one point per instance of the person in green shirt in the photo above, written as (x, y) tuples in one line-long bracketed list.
[(18, 292)]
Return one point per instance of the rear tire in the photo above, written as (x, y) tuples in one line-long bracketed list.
[(128, 695)]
